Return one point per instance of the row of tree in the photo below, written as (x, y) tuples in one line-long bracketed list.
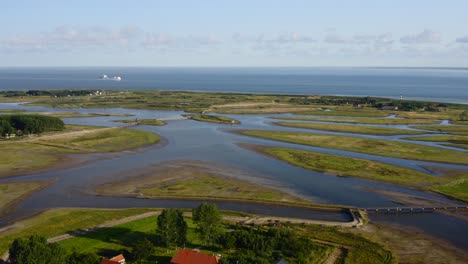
[(29, 124)]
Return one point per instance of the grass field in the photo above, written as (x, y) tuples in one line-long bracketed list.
[(362, 120), (457, 130), (348, 111), (148, 122), (13, 192), (109, 140), (19, 157), (365, 145), (213, 119), (60, 221), (345, 166), (195, 180), (450, 140), (370, 130), (108, 241)]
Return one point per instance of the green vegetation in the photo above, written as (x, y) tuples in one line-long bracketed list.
[(351, 128), (241, 243), (29, 124), (347, 111), (365, 145), (457, 188), (28, 155), (453, 184), (103, 140), (208, 220), (213, 119), (345, 166), (60, 221), (13, 192), (451, 140), (148, 122), (457, 130), (172, 228), (35, 249), (190, 180), (359, 249), (361, 120)]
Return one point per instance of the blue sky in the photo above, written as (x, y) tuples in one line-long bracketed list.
[(234, 33)]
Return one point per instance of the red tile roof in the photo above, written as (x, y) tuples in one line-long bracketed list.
[(187, 256), (108, 261), (118, 258)]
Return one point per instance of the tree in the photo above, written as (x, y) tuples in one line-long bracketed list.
[(208, 220), (35, 249), (172, 228), (142, 250), (84, 258)]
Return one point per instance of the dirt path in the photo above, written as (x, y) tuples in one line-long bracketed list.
[(67, 134), (334, 256)]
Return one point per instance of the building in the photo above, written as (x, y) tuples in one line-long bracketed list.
[(119, 259), (187, 256)]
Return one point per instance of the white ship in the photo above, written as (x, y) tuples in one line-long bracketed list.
[(114, 78)]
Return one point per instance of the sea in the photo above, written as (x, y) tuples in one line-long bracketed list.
[(426, 84)]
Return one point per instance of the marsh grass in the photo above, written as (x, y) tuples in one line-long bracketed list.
[(365, 145), (351, 128)]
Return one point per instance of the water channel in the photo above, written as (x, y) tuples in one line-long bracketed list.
[(215, 143)]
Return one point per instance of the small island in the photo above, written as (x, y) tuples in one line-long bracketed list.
[(212, 119)]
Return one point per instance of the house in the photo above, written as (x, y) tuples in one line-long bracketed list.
[(119, 259), (389, 107), (187, 256)]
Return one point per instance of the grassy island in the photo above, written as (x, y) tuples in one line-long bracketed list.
[(365, 145), (148, 122), (31, 154), (361, 120), (353, 167), (454, 184), (195, 180), (456, 130), (212, 119), (370, 130)]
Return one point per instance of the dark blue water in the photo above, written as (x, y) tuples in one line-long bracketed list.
[(447, 85)]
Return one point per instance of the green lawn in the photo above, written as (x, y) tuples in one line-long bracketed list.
[(60, 221), (365, 145), (106, 242), (351, 128), (345, 166), (362, 120)]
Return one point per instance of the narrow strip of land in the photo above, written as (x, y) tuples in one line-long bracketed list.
[(364, 145), (369, 130)]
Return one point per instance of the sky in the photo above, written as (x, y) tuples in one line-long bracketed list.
[(240, 33)]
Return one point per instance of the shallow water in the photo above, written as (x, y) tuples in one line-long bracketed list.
[(192, 140)]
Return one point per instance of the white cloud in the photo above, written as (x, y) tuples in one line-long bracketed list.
[(463, 39), (336, 39), (65, 38), (425, 37)]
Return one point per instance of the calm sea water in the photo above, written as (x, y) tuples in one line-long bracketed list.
[(446, 85)]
